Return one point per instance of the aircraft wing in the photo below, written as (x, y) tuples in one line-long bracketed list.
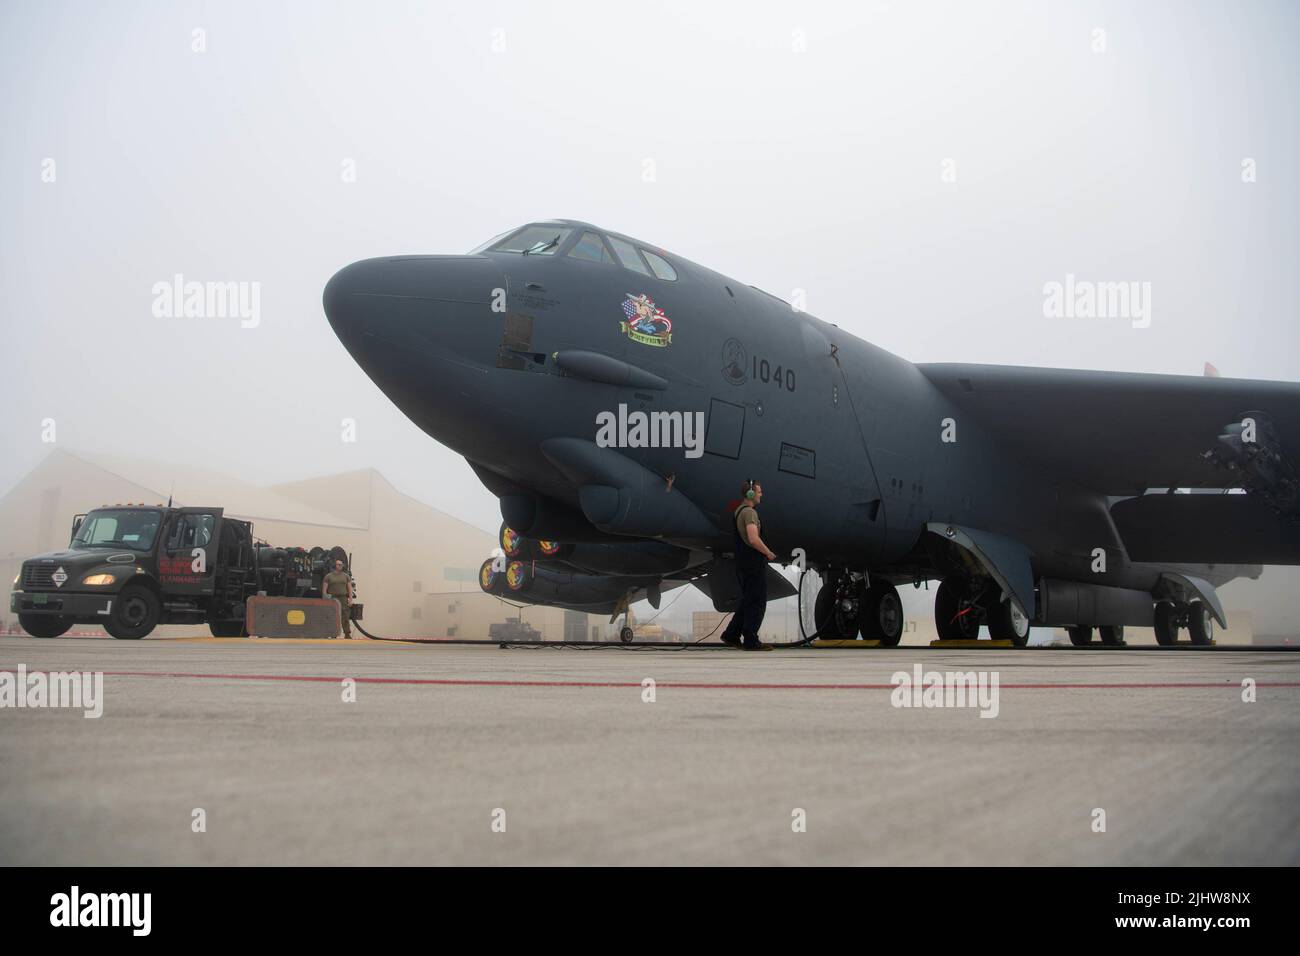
[(1119, 432)]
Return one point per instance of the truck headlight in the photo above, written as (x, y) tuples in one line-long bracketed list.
[(16, 577), (99, 580)]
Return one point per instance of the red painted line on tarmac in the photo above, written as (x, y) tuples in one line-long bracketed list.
[(696, 685)]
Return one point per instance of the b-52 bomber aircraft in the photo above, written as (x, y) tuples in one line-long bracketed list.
[(615, 397)]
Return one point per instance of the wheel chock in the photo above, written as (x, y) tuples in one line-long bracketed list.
[(822, 642)]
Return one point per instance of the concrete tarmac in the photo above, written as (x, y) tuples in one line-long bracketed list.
[(443, 742)]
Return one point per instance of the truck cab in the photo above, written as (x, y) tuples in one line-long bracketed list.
[(132, 567)]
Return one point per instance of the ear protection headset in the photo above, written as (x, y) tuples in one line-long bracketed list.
[(749, 492)]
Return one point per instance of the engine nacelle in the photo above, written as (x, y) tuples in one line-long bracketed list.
[(1069, 603)]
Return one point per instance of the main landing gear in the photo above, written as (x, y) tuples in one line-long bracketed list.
[(961, 605), (1112, 635), (846, 606), (1195, 617)]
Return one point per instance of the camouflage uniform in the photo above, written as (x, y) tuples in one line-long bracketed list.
[(338, 585)]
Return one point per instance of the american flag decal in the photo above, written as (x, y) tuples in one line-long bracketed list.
[(646, 322)]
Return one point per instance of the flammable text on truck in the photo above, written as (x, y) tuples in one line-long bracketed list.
[(133, 567)]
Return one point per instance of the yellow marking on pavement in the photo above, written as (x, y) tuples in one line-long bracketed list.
[(989, 643), (245, 641)]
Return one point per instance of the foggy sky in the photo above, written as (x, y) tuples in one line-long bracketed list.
[(817, 170)]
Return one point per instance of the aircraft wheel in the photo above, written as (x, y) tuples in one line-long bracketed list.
[(956, 616), (625, 635), (822, 609), (1080, 636), (839, 604), (881, 617), (1200, 626), (136, 612), (1007, 623), (1112, 635), (1166, 624), (41, 625)]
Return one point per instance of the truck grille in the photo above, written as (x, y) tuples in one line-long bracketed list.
[(38, 576)]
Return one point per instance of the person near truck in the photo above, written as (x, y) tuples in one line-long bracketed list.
[(752, 556), (338, 585)]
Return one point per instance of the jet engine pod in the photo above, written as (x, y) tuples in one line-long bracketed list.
[(519, 577), (543, 549), (543, 585), (540, 517), (620, 496), (515, 545), (644, 513), (489, 579), (628, 558), (511, 541)]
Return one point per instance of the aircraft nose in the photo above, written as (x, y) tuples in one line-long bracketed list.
[(422, 302), (425, 329), (345, 296)]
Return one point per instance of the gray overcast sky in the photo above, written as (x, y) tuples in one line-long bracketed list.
[(817, 170)]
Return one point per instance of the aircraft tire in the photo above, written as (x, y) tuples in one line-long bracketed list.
[(1006, 623), (955, 619), (1166, 624), (1080, 636), (833, 622), (1112, 635), (881, 615), (1200, 626)]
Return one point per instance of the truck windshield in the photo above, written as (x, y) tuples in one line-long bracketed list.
[(132, 528)]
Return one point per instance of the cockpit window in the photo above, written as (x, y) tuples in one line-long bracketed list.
[(491, 242), (627, 255), (592, 248), (659, 265), (536, 240)]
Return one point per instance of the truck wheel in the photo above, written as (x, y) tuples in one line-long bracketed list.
[(136, 611), (41, 625), (227, 629)]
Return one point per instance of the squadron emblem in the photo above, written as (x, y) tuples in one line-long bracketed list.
[(646, 322)]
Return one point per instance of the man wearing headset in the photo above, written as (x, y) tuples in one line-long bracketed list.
[(752, 556)]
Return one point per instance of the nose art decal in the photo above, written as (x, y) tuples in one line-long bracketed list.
[(646, 322)]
